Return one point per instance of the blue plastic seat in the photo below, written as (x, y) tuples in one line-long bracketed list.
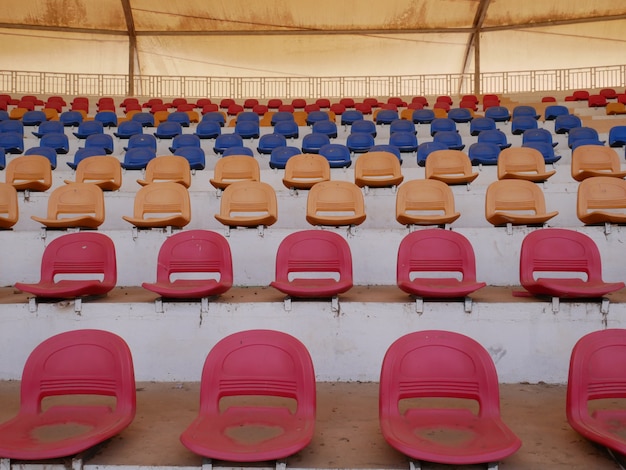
[(565, 122), (423, 116), (311, 143), (325, 127), (402, 125), (48, 152), (57, 140), (83, 153), (145, 119), (127, 129), (104, 141), (460, 115), (617, 136), (224, 141), (588, 134), (577, 143), (281, 116), (426, 148), (451, 139), (247, 129), (480, 124), (185, 140), (287, 128), (538, 135), (405, 142), (71, 118), (168, 130), (364, 126), (180, 117), (521, 124), (107, 118), (194, 155), (484, 153), (215, 116), (316, 116), (142, 141), (552, 111), (87, 128), (495, 136), (249, 116), (48, 126), (137, 158), (269, 142), (12, 142), (33, 118), (208, 129), (238, 150), (12, 126), (388, 148), (4, 115), (3, 159), (546, 149), (360, 142), (442, 124), (524, 110), (338, 155), (351, 115), (498, 113), (280, 155), (386, 116)]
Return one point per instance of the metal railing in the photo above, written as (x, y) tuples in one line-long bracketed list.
[(529, 81)]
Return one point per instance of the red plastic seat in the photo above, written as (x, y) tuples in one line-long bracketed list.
[(554, 250), (196, 253), (80, 362), (248, 364), (313, 264), (424, 252), (443, 365), (596, 372), (87, 255)]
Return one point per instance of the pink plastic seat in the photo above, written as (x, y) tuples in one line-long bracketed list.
[(313, 264), (80, 362), (443, 365), (244, 365), (425, 252), (197, 254), (596, 372), (76, 265), (551, 251)]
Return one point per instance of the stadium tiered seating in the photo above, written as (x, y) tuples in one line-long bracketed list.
[(516, 202)]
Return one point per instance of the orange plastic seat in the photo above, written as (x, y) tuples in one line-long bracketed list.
[(601, 200), (596, 374), (377, 170), (17, 113), (450, 166), (104, 171), (523, 163), (160, 205), (75, 205), (595, 160), (304, 170), (235, 168), (313, 264), (193, 264), (442, 365), (29, 172), (425, 202), (516, 202), (75, 265), (248, 204), (246, 369), (172, 168), (335, 203), (160, 116), (92, 363), (9, 208), (615, 108)]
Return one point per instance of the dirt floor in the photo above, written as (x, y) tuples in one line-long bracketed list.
[(347, 432)]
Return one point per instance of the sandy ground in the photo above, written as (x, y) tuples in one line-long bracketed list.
[(347, 432)]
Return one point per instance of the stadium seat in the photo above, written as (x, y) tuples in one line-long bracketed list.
[(360, 142), (288, 129), (554, 110), (168, 130), (516, 202), (127, 129), (281, 116), (224, 141), (498, 113), (194, 155), (596, 101), (423, 116), (595, 160), (617, 136), (33, 118), (280, 156), (235, 168), (364, 126), (102, 170), (523, 163), (442, 124), (92, 363), (269, 142), (12, 142), (85, 152), (480, 124), (100, 141), (524, 110), (601, 200), (247, 129), (349, 116), (450, 167), (170, 201), (521, 124), (9, 208), (565, 122), (316, 116), (451, 139), (137, 158), (494, 136), (71, 118), (208, 129), (248, 204), (311, 143), (29, 173), (75, 205), (401, 125), (193, 264), (58, 141), (546, 149), (107, 118), (426, 148), (405, 142), (377, 170), (87, 128), (572, 254), (385, 116), (172, 168), (443, 365), (185, 140), (484, 153), (388, 148), (313, 264), (214, 116), (47, 152), (335, 203), (538, 135), (580, 95), (338, 155), (181, 117), (238, 150), (579, 134), (247, 364), (425, 202), (304, 170), (47, 127), (325, 127), (460, 115)]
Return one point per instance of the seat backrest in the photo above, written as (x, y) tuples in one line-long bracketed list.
[(424, 196), (103, 170), (80, 362), (377, 169), (304, 170), (315, 252), (601, 193), (556, 250), (235, 168), (195, 252), (333, 201), (9, 208), (261, 363), (435, 250), (515, 160), (165, 198), (167, 168), (76, 199), (31, 172), (514, 195), (438, 364), (442, 164), (249, 197), (595, 160)]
